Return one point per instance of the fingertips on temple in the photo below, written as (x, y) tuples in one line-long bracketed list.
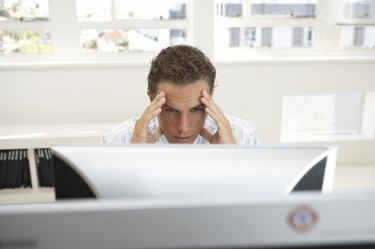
[(158, 96), (161, 94), (204, 100), (205, 94), (162, 101), (210, 112), (157, 111)]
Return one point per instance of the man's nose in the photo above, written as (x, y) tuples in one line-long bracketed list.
[(184, 124)]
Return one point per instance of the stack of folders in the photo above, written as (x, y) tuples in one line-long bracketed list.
[(44, 164), (14, 169)]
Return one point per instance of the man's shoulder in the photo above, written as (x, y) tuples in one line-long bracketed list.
[(241, 123), (235, 122), (120, 131), (243, 131), (124, 126)]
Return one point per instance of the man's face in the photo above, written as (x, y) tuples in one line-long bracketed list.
[(183, 115)]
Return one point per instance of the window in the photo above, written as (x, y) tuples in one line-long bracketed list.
[(239, 25), (357, 37), (24, 40), (358, 29), (248, 29), (151, 10), (328, 117), (85, 29), (31, 10), (359, 9), (295, 8), (128, 30), (138, 39)]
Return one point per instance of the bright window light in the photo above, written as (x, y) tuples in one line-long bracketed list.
[(24, 10), (359, 9), (290, 8), (229, 8), (25, 41), (357, 37), (94, 10), (136, 40), (150, 9), (266, 37), (325, 117)]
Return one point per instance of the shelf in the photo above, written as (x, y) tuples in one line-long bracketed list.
[(23, 195), (31, 137), (39, 136)]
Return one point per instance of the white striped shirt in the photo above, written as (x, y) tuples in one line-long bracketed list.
[(244, 132)]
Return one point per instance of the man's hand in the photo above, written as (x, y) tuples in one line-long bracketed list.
[(141, 133), (224, 134)]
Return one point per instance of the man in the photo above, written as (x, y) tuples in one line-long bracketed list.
[(181, 82)]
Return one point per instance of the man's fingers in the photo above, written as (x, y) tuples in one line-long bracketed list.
[(154, 108), (157, 103), (224, 131), (212, 108), (206, 134), (141, 126), (157, 134)]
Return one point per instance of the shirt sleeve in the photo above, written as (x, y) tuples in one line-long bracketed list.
[(244, 132), (120, 134)]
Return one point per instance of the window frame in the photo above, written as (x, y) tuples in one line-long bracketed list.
[(326, 39), (65, 29), (365, 127)]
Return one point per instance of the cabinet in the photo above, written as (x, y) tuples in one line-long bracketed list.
[(31, 137)]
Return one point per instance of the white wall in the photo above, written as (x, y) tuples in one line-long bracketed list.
[(255, 91), (112, 93)]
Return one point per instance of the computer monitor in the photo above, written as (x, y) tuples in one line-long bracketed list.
[(190, 171), (308, 221)]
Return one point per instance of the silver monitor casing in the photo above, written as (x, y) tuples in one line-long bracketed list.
[(299, 220), (193, 171)]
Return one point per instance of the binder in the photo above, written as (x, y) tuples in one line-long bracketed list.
[(26, 176), (45, 167), (39, 168), (20, 172), (14, 169), (3, 156), (50, 167), (10, 170), (17, 171)]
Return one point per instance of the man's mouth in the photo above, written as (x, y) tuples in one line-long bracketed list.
[(182, 139)]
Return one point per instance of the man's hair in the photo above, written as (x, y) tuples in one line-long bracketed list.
[(181, 65)]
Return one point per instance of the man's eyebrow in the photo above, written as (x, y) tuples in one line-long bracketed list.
[(201, 106), (167, 106)]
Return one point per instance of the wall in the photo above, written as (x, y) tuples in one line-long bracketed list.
[(255, 92), (112, 93)]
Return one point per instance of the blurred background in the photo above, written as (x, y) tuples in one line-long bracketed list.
[(302, 71)]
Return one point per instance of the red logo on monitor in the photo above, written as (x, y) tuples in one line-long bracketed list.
[(302, 218)]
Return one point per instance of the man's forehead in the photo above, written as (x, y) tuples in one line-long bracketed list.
[(183, 97), (182, 104)]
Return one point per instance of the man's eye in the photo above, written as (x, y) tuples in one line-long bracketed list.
[(170, 110), (200, 109)]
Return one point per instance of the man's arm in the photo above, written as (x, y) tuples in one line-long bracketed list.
[(224, 134), (141, 133)]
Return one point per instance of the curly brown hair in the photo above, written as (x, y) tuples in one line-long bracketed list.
[(181, 65)]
